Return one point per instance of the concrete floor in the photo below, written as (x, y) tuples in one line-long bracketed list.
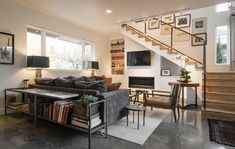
[(191, 132)]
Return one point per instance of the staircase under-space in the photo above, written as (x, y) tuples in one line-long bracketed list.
[(220, 91)]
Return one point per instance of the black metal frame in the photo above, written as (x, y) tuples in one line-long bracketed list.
[(90, 131)]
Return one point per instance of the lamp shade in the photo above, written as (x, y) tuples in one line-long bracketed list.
[(38, 61), (92, 65)]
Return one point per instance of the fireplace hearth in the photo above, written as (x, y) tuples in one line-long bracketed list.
[(141, 82)]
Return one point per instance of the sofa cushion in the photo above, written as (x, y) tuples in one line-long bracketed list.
[(89, 79), (62, 82), (108, 80), (113, 86), (44, 81), (96, 85), (98, 78), (70, 78)]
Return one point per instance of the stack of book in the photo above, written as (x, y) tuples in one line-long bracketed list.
[(24, 108), (81, 121), (61, 111), (46, 110)]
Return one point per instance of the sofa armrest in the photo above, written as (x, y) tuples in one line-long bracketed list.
[(116, 103)]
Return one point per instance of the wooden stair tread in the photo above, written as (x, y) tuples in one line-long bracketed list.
[(219, 102), (224, 79), (220, 93), (228, 72), (219, 111)]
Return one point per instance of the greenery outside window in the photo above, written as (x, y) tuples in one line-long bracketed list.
[(66, 53), (222, 45)]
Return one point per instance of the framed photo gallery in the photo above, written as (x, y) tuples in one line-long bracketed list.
[(197, 26)]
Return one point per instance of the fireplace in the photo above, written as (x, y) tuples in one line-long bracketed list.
[(141, 82)]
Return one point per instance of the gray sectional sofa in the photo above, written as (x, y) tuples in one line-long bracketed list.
[(117, 100)]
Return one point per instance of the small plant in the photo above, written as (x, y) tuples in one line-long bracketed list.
[(184, 75), (86, 99)]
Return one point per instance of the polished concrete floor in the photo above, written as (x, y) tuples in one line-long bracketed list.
[(191, 132)]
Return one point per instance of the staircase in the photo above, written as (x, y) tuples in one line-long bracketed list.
[(220, 96), (161, 48)]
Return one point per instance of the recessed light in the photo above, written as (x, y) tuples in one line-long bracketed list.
[(108, 11)]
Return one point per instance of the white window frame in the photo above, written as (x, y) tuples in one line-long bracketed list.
[(228, 45), (43, 45)]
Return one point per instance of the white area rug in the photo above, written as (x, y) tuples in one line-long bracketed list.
[(131, 133)]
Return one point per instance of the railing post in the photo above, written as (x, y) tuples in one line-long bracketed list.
[(145, 27), (204, 64), (171, 37)]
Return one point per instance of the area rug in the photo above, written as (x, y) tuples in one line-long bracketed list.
[(222, 132), (131, 133)]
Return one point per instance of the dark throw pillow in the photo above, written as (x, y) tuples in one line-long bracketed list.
[(44, 81), (89, 79), (113, 86), (95, 85), (61, 82)]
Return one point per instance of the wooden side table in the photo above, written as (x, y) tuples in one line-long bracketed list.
[(188, 84), (138, 93)]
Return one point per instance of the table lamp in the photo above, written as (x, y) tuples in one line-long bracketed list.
[(38, 62), (92, 65)]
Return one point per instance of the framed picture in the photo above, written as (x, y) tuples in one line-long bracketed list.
[(199, 25), (183, 21), (165, 30), (180, 36), (6, 48), (198, 41), (165, 72), (117, 44), (168, 18), (153, 24)]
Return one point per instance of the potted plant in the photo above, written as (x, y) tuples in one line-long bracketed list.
[(184, 75), (81, 106)]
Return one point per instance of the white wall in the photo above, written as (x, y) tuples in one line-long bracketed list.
[(14, 18), (213, 20)]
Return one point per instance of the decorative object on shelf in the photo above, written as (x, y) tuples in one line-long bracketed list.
[(170, 18), (92, 65), (165, 30), (81, 106), (165, 72), (180, 36), (25, 82), (199, 25), (184, 75), (6, 48), (153, 23), (38, 62), (183, 21), (117, 56), (198, 41)]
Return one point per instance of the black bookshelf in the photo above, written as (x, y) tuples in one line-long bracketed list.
[(90, 130)]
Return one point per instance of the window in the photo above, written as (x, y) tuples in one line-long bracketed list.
[(222, 7), (34, 38), (65, 52), (222, 45)]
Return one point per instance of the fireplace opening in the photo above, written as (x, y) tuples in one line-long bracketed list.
[(141, 82)]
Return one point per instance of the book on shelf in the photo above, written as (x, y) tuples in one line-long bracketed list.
[(61, 110), (84, 125), (85, 117)]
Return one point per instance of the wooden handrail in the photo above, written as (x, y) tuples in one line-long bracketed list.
[(132, 28)]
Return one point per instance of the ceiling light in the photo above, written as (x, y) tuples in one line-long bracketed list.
[(108, 11)]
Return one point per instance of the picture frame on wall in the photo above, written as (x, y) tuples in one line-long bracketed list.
[(183, 21), (199, 25), (198, 41), (170, 18), (180, 36), (165, 72), (153, 23), (117, 44), (6, 48), (165, 29)]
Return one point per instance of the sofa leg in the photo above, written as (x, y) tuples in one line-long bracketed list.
[(178, 109)]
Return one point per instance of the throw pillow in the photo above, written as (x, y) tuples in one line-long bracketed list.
[(61, 82), (89, 79), (44, 81), (108, 80), (113, 86), (70, 78), (96, 85), (98, 78)]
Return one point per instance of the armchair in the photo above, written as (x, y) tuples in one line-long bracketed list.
[(164, 99)]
